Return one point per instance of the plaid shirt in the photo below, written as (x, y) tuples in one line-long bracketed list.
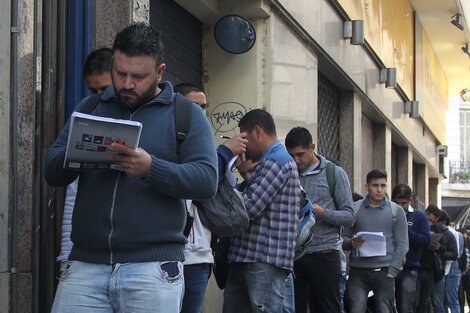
[(272, 198)]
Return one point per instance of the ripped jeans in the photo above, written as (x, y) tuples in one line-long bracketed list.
[(128, 287), (254, 287)]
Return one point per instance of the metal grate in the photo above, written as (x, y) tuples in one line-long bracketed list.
[(328, 118)]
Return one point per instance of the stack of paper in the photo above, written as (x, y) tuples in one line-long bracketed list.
[(374, 244)]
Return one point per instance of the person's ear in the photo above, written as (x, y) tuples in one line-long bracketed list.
[(160, 70)]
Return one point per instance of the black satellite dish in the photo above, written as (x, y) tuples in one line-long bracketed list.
[(234, 34)]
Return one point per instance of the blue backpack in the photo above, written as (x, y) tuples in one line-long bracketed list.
[(307, 220)]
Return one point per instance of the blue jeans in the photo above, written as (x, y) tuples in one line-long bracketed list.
[(254, 287), (196, 277), (437, 296), (289, 296), (361, 281), (128, 287), (452, 293)]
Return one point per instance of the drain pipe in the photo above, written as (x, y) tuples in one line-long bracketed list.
[(14, 159)]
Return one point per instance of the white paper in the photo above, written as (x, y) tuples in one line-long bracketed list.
[(232, 179), (374, 244)]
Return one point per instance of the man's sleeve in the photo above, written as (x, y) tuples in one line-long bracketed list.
[(421, 238), (400, 235), (54, 171), (224, 155), (348, 230), (344, 213), (195, 177), (451, 252), (264, 187)]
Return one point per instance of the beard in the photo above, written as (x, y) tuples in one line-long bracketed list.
[(133, 100)]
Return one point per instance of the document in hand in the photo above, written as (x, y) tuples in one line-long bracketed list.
[(374, 244), (90, 139)]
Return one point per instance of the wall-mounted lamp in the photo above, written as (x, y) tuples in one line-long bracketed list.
[(355, 31), (456, 21), (465, 50), (412, 108), (389, 77)]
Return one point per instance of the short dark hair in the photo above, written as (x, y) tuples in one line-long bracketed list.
[(434, 210), (258, 117), (185, 88), (298, 136), (374, 174), (251, 156), (356, 196), (444, 217), (99, 61), (402, 191), (139, 39)]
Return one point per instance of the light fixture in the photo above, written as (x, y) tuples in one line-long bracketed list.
[(465, 50), (389, 77), (456, 21), (414, 113), (354, 30), (412, 108)]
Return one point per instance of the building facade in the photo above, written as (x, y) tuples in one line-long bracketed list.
[(302, 68)]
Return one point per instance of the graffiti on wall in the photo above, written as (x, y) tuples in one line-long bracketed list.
[(225, 116)]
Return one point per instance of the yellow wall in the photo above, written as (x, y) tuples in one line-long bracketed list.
[(388, 28)]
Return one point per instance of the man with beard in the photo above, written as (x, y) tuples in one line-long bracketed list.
[(128, 225)]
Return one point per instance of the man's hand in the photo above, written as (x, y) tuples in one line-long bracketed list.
[(435, 245), (390, 275), (136, 163), (319, 211), (237, 144), (356, 242)]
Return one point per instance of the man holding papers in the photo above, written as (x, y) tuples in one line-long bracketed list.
[(379, 242), (128, 225)]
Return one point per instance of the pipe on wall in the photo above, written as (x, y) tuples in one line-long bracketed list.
[(14, 158)]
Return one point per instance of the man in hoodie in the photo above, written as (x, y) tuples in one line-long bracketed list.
[(128, 225), (318, 272)]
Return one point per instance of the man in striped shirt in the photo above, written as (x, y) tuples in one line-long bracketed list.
[(263, 256)]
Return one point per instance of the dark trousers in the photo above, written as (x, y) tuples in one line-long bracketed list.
[(405, 290), (464, 292), (425, 284), (361, 281), (317, 282)]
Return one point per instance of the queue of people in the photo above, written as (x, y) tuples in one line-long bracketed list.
[(126, 248)]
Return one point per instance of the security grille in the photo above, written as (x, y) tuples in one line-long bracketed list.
[(328, 118)]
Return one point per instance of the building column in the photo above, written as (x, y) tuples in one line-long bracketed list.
[(383, 150), (107, 25), (434, 194), (422, 184), (405, 166), (346, 133)]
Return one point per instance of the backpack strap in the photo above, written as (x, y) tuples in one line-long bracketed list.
[(331, 179), (183, 113), (91, 104)]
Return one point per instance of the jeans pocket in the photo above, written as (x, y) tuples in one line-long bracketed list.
[(172, 271), (65, 270)]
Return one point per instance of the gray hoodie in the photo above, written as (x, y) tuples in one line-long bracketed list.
[(327, 230)]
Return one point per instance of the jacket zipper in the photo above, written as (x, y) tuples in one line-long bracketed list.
[(111, 256)]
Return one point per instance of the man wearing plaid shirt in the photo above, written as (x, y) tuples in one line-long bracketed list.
[(263, 256)]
